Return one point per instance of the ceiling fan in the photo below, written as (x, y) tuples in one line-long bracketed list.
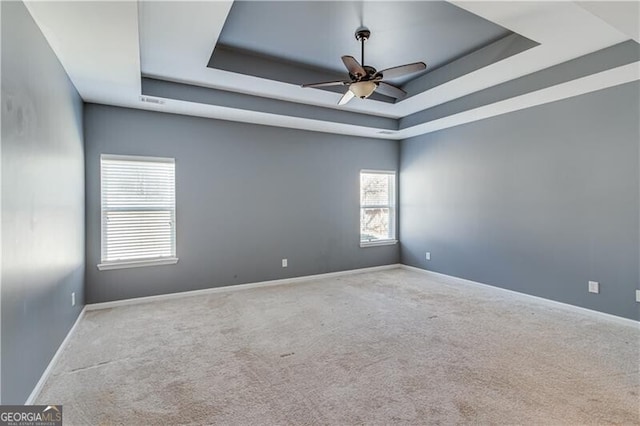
[(365, 79)]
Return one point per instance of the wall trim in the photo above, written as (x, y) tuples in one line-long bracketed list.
[(449, 279), (236, 287), (54, 360)]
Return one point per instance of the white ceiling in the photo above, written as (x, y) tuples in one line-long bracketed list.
[(106, 47), (622, 15), (97, 43)]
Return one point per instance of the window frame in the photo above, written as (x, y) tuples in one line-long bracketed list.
[(141, 262), (393, 208)]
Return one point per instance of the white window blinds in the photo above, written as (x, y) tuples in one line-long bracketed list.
[(377, 206), (138, 208)]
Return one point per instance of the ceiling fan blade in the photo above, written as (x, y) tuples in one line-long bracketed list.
[(402, 70), (389, 90), (346, 97), (353, 66), (327, 83)]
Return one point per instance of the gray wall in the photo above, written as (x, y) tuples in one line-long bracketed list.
[(539, 201), (42, 203), (247, 196)]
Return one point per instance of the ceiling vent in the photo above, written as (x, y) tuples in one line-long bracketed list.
[(152, 100)]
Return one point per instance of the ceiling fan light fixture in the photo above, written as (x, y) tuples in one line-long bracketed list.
[(363, 89), (364, 79)]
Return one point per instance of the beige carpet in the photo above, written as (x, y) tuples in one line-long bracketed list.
[(375, 348)]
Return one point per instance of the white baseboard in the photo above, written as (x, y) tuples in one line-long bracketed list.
[(461, 281), (237, 287), (47, 372)]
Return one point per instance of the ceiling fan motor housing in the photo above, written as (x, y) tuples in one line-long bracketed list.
[(370, 72)]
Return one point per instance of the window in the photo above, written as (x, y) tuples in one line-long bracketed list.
[(377, 207), (138, 211)]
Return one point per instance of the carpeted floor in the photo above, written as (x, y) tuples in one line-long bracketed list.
[(374, 348)]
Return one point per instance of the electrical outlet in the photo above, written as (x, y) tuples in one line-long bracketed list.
[(284, 263), (594, 287), (638, 296), (428, 256), (73, 299)]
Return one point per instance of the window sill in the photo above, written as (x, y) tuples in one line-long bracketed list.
[(378, 243), (137, 263)]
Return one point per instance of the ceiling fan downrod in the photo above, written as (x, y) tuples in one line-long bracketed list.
[(362, 35)]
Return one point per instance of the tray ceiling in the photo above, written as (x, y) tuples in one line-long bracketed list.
[(502, 56), (318, 33)]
